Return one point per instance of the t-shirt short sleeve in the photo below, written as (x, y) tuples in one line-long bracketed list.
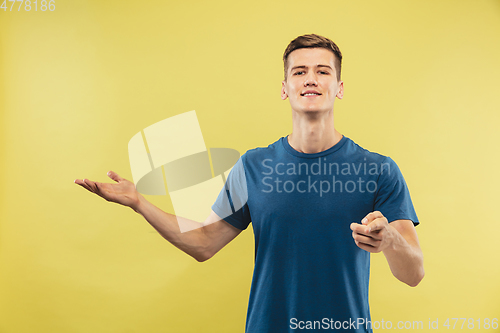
[(231, 204), (393, 197)]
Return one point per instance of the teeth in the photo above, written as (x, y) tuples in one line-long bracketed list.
[(310, 94)]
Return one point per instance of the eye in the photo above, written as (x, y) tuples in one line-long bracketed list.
[(323, 72), (298, 73)]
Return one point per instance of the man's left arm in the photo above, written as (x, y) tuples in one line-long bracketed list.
[(398, 241)]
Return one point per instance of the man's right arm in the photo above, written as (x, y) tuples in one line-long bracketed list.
[(201, 243)]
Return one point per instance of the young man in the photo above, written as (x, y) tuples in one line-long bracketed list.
[(304, 194)]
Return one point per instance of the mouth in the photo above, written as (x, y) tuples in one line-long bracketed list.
[(310, 93)]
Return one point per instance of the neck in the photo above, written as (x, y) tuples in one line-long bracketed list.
[(313, 132)]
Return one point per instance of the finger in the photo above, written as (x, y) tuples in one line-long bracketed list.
[(84, 185), (367, 248), (113, 175), (361, 233), (377, 224), (97, 188), (377, 235), (79, 182), (374, 226), (91, 184), (360, 239), (360, 229), (365, 239), (371, 216), (356, 227), (87, 184)]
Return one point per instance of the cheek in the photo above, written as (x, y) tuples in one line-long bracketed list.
[(293, 86), (333, 90), (291, 92)]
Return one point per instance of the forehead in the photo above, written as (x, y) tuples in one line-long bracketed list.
[(311, 57)]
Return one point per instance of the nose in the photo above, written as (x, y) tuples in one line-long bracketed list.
[(310, 80)]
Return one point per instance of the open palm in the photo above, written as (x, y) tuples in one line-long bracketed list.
[(122, 192)]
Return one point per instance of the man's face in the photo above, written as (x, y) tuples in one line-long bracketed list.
[(311, 84)]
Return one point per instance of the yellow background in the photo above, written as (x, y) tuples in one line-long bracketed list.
[(421, 85)]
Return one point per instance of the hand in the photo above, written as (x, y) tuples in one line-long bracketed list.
[(374, 234), (123, 192)]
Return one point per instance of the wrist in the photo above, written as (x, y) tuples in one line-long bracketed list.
[(138, 204), (394, 240)]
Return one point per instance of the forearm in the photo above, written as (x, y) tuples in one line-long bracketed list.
[(405, 260), (194, 242)]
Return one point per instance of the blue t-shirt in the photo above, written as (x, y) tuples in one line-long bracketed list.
[(309, 274)]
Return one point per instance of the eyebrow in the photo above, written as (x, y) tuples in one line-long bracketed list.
[(302, 66)]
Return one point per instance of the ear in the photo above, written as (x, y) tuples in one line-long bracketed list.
[(284, 95), (340, 93)]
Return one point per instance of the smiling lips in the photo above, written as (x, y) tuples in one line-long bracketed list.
[(310, 93)]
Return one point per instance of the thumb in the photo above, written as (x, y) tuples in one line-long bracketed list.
[(113, 175)]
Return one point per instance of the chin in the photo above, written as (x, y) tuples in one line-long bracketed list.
[(313, 110)]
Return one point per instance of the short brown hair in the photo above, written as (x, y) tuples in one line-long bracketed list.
[(314, 41)]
